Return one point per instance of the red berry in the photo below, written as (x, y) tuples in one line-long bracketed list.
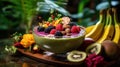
[(78, 28), (75, 29), (17, 44), (53, 31), (59, 27)]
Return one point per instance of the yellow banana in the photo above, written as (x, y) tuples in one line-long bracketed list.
[(117, 29), (97, 30), (108, 29), (119, 34), (89, 28)]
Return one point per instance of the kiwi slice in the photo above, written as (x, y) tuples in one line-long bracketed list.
[(76, 56), (94, 48)]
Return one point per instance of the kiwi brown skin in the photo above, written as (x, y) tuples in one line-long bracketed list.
[(110, 50)]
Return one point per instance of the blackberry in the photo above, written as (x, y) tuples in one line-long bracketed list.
[(58, 34), (40, 28), (72, 24), (49, 28)]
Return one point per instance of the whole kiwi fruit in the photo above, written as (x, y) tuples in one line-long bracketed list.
[(111, 50)]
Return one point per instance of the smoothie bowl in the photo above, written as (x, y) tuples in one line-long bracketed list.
[(59, 38)]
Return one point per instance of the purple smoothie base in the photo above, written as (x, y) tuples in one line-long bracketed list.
[(73, 35)]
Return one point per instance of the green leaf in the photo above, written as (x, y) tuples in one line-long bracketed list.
[(58, 8)]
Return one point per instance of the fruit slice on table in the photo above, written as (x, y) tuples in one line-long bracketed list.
[(76, 56), (94, 48)]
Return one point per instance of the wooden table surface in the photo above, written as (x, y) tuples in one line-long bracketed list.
[(28, 59)]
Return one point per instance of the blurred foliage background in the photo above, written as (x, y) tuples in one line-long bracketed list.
[(23, 15)]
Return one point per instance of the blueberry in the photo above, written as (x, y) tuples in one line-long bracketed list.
[(40, 28), (58, 34), (49, 28)]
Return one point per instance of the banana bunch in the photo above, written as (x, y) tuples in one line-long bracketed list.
[(107, 28), (96, 32)]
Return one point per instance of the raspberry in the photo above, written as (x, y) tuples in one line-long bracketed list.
[(59, 27), (94, 60), (53, 31), (75, 29), (78, 28)]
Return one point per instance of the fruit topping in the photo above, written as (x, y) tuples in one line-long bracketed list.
[(75, 29), (40, 28), (58, 34), (59, 27), (67, 28), (53, 31), (65, 20), (76, 56), (49, 28)]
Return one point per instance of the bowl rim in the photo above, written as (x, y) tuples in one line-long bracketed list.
[(83, 35)]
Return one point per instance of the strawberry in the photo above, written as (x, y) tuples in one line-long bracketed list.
[(75, 29), (53, 31), (59, 27)]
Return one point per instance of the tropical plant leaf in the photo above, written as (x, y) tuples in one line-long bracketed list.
[(57, 7)]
